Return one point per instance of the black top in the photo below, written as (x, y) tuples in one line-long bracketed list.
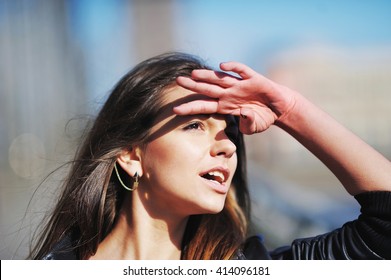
[(368, 237)]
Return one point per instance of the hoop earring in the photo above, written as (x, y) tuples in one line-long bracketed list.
[(135, 178)]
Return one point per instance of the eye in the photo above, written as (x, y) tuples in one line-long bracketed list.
[(194, 126)]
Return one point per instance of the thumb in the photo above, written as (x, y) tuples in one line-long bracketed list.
[(247, 124)]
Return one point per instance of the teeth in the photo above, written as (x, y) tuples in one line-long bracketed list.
[(217, 174)]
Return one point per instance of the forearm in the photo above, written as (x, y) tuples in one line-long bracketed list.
[(262, 103), (357, 165)]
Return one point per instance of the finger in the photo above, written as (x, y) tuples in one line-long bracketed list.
[(242, 70), (186, 82), (207, 89), (214, 77), (247, 122), (197, 107)]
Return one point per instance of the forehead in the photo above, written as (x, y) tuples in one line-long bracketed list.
[(175, 96), (174, 92), (166, 120)]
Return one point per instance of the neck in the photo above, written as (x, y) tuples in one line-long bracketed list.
[(138, 233)]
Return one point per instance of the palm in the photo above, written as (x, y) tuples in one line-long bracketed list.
[(252, 96)]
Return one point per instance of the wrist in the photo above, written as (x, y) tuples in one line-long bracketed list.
[(288, 108)]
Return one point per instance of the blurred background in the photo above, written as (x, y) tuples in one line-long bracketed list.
[(59, 60)]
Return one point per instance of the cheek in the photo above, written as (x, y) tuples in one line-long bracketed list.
[(233, 163), (158, 158), (170, 158)]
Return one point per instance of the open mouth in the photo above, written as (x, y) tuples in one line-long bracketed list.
[(216, 176)]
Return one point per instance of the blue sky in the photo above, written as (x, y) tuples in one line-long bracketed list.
[(220, 30), (234, 29)]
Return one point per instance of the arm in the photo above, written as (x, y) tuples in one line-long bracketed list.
[(261, 103), (357, 165)]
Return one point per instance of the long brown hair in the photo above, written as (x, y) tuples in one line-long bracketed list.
[(91, 196)]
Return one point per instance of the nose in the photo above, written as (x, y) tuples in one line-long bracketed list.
[(223, 146)]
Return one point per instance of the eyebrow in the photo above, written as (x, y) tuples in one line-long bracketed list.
[(171, 124), (167, 110), (178, 120)]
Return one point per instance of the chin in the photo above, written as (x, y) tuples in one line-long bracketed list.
[(215, 209), (208, 206)]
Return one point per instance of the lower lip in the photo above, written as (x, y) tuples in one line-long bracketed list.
[(217, 187)]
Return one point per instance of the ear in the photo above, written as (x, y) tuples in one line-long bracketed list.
[(130, 161)]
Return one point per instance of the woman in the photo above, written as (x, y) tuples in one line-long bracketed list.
[(137, 139), (163, 167)]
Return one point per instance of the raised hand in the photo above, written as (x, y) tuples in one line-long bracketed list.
[(259, 101)]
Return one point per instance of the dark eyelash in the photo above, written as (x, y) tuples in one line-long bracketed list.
[(191, 125)]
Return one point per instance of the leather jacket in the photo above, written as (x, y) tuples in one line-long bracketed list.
[(368, 237)]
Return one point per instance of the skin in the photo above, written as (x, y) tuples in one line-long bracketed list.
[(179, 190), (263, 103), (181, 149)]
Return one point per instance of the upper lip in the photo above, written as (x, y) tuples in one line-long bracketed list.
[(219, 173)]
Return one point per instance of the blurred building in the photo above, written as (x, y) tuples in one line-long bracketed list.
[(352, 85), (41, 88), (59, 60), (296, 195)]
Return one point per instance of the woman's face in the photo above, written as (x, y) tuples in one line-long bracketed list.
[(189, 162)]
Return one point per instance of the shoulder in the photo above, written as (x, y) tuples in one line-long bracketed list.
[(253, 249)]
